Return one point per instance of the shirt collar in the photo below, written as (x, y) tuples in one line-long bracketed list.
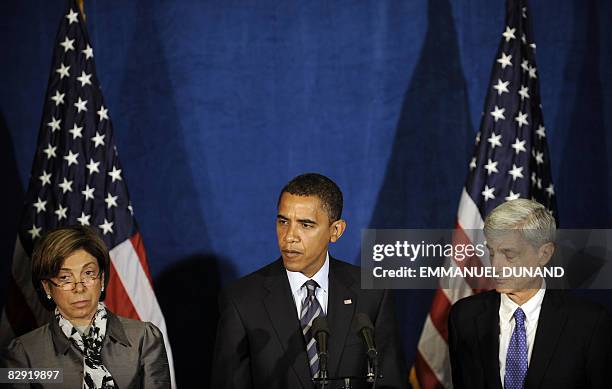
[(531, 307), (297, 279)]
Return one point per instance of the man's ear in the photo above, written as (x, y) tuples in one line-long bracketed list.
[(545, 253), (337, 229)]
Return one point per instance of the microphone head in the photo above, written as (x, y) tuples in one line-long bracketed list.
[(361, 321), (319, 324)]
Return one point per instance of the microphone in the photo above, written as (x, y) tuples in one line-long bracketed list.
[(363, 326), (320, 332)]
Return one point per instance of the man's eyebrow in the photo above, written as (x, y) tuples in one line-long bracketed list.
[(307, 221), (279, 216)]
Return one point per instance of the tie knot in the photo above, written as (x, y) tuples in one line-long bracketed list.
[(519, 316), (311, 286)]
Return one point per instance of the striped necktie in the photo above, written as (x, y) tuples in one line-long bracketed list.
[(516, 358), (310, 310)]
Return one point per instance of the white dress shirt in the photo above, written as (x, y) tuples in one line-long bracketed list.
[(297, 280), (507, 323)]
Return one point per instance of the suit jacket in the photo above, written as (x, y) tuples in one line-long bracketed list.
[(572, 346), (260, 343), (133, 352)]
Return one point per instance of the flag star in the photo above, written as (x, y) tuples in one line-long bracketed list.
[(509, 33), (494, 140), (103, 113), (93, 166), (71, 158), (518, 146), (45, 178), (501, 87), (473, 163), (524, 92), (54, 124), (111, 201), (88, 192), (50, 151), (505, 60), (488, 193), (40, 205), (539, 181), (534, 178), (58, 98), (478, 137), (512, 196), (85, 79), (72, 17), (107, 227), (61, 212), (521, 119), (541, 131), (66, 186), (88, 51), (524, 12), (539, 157), (63, 71), (551, 190), (34, 231), (68, 44), (525, 65), (498, 113), (129, 207), (523, 39), (516, 172), (532, 72), (84, 219), (98, 139), (81, 105), (76, 131), (115, 174), (491, 167)]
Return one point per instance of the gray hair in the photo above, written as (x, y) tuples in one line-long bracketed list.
[(530, 218)]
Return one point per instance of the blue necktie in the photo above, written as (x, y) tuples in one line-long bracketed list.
[(516, 358), (310, 310)]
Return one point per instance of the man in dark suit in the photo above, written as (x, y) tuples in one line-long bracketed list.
[(264, 338), (522, 335)]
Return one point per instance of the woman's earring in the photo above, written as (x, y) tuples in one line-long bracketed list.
[(48, 297), (102, 289)]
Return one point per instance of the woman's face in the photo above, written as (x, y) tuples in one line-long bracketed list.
[(79, 304)]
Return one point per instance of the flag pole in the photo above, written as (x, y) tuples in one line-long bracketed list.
[(81, 4)]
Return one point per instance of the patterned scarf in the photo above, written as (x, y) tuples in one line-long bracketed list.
[(95, 374)]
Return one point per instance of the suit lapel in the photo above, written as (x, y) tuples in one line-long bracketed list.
[(283, 315), (550, 325), (487, 325), (339, 314)]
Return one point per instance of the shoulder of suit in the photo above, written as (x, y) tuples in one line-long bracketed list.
[(252, 284), (35, 337), (474, 301), (578, 306)]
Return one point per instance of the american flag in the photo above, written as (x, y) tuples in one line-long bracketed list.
[(510, 161), (77, 179)]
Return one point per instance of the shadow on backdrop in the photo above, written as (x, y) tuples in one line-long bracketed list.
[(10, 206), (174, 224), (187, 293), (434, 135), (584, 175)]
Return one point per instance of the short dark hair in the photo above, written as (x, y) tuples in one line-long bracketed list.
[(56, 245), (314, 184)]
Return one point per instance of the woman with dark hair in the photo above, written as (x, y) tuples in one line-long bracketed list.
[(93, 347)]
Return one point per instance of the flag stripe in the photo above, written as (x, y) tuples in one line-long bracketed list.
[(434, 350), (139, 289), (138, 245), (117, 297)]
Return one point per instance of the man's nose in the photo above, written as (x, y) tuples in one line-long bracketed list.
[(291, 235)]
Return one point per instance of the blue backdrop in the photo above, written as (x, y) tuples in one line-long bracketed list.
[(217, 104)]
